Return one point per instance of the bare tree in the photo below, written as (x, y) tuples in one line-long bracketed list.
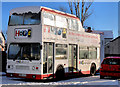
[(70, 6), (81, 9)]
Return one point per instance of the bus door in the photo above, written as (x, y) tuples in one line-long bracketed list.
[(48, 58), (72, 58)]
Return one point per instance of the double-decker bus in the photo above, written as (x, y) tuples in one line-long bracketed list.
[(45, 43)]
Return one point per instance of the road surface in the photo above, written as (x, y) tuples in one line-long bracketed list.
[(88, 80)]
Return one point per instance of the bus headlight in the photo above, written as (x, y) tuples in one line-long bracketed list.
[(33, 68), (10, 66)]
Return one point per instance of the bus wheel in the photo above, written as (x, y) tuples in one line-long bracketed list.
[(93, 69), (60, 73)]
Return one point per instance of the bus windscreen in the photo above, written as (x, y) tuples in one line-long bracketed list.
[(24, 51)]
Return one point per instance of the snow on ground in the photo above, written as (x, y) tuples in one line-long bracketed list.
[(119, 82), (0, 78), (91, 80)]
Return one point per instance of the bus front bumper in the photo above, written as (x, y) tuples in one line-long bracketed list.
[(28, 76)]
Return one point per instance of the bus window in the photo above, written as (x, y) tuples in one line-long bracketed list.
[(61, 51), (16, 19), (31, 18), (14, 50), (73, 24), (92, 53), (83, 53), (48, 19), (61, 21), (48, 16), (24, 19), (69, 24)]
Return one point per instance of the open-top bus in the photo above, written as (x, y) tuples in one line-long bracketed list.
[(45, 43)]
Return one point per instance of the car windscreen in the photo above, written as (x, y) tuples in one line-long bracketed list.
[(111, 61)]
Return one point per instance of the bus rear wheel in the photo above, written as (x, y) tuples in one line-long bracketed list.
[(60, 73), (93, 70)]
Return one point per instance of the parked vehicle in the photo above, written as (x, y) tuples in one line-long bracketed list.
[(110, 67)]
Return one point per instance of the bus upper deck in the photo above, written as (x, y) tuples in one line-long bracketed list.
[(29, 23)]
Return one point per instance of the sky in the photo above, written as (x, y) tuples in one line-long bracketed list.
[(104, 17)]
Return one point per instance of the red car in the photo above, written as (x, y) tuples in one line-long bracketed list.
[(110, 67)]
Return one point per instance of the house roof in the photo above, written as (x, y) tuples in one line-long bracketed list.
[(106, 33), (115, 39)]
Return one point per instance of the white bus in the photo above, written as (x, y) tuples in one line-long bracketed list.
[(45, 43)]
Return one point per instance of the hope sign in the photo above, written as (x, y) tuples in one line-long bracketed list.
[(22, 33)]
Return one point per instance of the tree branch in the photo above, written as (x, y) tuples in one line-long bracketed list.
[(70, 5), (78, 2), (81, 10), (76, 8), (83, 4)]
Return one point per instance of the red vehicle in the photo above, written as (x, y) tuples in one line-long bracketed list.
[(110, 67)]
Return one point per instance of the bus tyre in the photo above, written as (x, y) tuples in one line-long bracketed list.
[(93, 70), (60, 73), (101, 77)]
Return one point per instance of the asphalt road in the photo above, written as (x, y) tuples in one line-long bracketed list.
[(119, 83), (88, 81)]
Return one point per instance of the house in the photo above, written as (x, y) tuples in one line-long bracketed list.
[(113, 47), (2, 52), (2, 41)]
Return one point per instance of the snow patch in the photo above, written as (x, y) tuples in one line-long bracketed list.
[(92, 80)]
